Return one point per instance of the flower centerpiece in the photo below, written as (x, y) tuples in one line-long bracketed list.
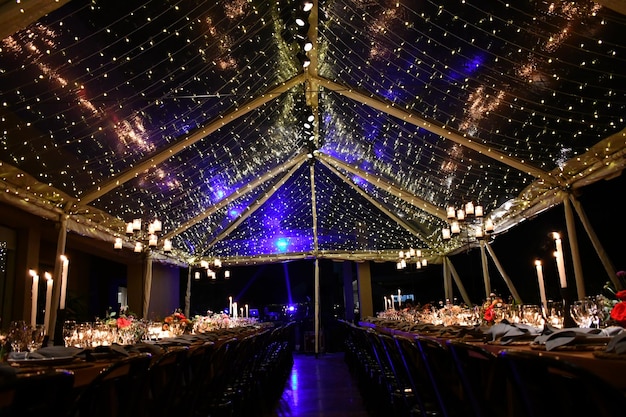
[(617, 303), (127, 327), (177, 323)]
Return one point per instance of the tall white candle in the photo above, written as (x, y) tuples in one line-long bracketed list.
[(230, 306), (399, 299), (385, 301), (234, 310), (247, 311), (560, 263), (34, 295), (46, 319), (391, 300), (542, 286), (66, 263)]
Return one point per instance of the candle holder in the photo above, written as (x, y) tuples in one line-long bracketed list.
[(568, 320)]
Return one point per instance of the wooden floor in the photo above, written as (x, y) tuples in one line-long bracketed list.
[(320, 386)]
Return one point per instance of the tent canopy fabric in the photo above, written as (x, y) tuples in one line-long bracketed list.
[(201, 114)]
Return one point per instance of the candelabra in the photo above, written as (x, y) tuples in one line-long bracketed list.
[(212, 268), (410, 257), (141, 238), (469, 217)]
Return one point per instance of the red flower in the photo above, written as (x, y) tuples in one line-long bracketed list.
[(123, 322), (621, 295), (489, 313), (618, 313)]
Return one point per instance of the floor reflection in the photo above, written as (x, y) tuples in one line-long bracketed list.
[(320, 386)]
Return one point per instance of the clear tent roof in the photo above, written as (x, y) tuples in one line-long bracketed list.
[(195, 112)]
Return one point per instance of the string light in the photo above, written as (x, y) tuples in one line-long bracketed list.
[(85, 102)]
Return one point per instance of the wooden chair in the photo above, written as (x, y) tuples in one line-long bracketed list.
[(428, 401), (475, 367), (118, 391), (543, 385), (47, 393), (166, 379)]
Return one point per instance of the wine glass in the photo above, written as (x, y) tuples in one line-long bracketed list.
[(69, 332), (582, 313), (19, 335), (37, 335)]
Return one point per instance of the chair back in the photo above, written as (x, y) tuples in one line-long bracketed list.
[(166, 382), (543, 385), (427, 397), (475, 367), (118, 391), (37, 394)]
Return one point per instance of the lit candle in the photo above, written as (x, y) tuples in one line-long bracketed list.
[(455, 228), (445, 233), (488, 226), (49, 283), (385, 301), (399, 299), (235, 310), (64, 268), (34, 295), (247, 311), (450, 212), (230, 306), (241, 311), (542, 287), (478, 211), (559, 260), (391, 301)]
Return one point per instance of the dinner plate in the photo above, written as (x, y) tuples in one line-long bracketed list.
[(52, 361)]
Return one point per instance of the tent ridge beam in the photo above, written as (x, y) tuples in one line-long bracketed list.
[(438, 129), (254, 206), (385, 185), (379, 206), (240, 192)]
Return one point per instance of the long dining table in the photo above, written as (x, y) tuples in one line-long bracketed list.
[(87, 363), (592, 357)]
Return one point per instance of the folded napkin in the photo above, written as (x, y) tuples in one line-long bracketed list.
[(570, 336), (507, 333), (144, 347), (617, 344), (47, 352), (106, 352), (173, 341), (20, 356), (59, 351)]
